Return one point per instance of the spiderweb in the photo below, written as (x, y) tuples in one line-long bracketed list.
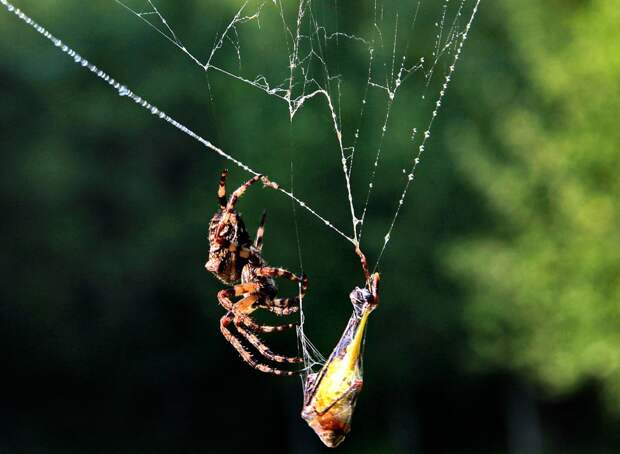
[(410, 52)]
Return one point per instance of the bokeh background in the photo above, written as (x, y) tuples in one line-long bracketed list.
[(499, 329)]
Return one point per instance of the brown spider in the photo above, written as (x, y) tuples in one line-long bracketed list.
[(233, 258)]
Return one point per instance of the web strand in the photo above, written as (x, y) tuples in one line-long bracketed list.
[(311, 77), (296, 60), (427, 133), (306, 39), (123, 91)]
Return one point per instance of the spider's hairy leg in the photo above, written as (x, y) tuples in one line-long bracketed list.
[(248, 287), (258, 244), (233, 246), (261, 347), (284, 306), (240, 191), (269, 271), (225, 321), (221, 190), (244, 307), (247, 321), (223, 296), (241, 310), (247, 307)]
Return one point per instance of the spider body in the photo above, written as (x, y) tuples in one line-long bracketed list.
[(237, 261), (252, 273), (224, 263)]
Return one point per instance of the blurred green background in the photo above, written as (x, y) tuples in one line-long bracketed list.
[(499, 328)]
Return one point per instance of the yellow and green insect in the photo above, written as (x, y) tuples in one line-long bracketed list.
[(330, 394)]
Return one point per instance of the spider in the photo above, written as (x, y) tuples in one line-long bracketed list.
[(238, 262)]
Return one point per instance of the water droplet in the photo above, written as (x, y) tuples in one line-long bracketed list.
[(123, 91)]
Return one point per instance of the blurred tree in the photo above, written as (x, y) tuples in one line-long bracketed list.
[(545, 283)]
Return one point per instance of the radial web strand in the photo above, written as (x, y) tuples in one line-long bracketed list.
[(390, 46), (380, 88), (123, 91)]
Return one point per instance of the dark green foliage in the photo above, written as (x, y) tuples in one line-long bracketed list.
[(500, 286)]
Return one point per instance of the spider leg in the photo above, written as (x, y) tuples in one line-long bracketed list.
[(247, 321), (280, 306), (233, 246), (241, 310), (239, 192), (227, 208), (258, 244), (269, 271), (223, 296), (225, 321), (221, 190), (261, 347), (289, 305), (284, 306), (244, 307)]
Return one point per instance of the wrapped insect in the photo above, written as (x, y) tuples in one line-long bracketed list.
[(330, 395)]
